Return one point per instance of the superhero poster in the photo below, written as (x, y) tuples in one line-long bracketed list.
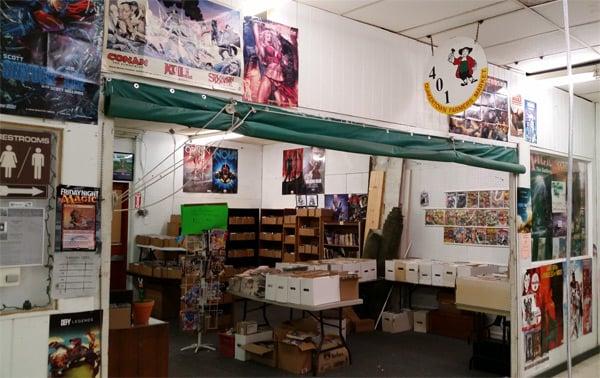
[(338, 203), (225, 170), (209, 169), (192, 42), (542, 312), (292, 182), (74, 342), (580, 291), (51, 58), (270, 63)]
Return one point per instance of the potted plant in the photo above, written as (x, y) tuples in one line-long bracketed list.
[(142, 308)]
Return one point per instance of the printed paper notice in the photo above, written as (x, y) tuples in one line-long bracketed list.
[(525, 246), (75, 274), (21, 236)]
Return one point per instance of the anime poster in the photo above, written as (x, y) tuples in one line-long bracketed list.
[(530, 120), (338, 203), (270, 63), (488, 118), (192, 42), (197, 168), (580, 289), (542, 312), (516, 116), (77, 218), (74, 342), (313, 170), (292, 182), (225, 170), (51, 58), (357, 207)]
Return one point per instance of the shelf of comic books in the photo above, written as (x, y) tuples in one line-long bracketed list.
[(343, 239), (310, 233), (242, 241), (271, 236)]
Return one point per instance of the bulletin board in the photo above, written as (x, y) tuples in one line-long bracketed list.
[(197, 218)]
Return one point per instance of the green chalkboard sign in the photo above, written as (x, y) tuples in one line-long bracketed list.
[(197, 218)]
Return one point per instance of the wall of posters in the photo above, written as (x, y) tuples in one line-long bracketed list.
[(270, 63), (516, 116), (192, 42), (549, 207), (123, 166), (580, 289), (77, 218), (530, 120), (488, 118), (74, 342), (303, 171), (210, 169), (51, 59), (542, 304)]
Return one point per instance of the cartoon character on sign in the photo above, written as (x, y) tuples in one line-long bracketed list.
[(8, 161), (465, 64)]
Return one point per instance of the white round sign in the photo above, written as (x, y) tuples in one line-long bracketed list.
[(456, 75)]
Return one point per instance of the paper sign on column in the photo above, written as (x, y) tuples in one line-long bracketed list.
[(75, 274), (525, 245)]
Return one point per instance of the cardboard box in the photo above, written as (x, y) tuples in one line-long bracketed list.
[(171, 272), (421, 321), (319, 289), (279, 220), (175, 218), (134, 267), (246, 327), (412, 271), (157, 271), (145, 270), (243, 340), (277, 236), (290, 239), (364, 325), (173, 229), (425, 272), (142, 240), (348, 287), (390, 270), (270, 287), (400, 270), (265, 353), (289, 219), (281, 288), (473, 269), (486, 292), (368, 268), (302, 212), (308, 231), (397, 322), (119, 317), (294, 289), (157, 241), (447, 272), (437, 273), (333, 359), (294, 359)]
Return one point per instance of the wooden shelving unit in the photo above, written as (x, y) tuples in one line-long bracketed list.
[(289, 235), (343, 245), (310, 233), (270, 242), (242, 243)]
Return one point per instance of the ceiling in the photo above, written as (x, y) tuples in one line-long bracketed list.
[(526, 35)]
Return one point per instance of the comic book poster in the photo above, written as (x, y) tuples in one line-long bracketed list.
[(580, 291), (74, 342), (225, 170), (524, 212), (51, 58), (313, 170), (77, 218), (530, 120), (197, 168), (193, 42), (488, 118), (270, 63), (516, 116), (542, 312), (338, 203), (451, 200), (292, 180), (357, 207)]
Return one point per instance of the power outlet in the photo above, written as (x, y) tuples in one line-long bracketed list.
[(10, 277)]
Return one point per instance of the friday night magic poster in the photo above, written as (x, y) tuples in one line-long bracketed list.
[(210, 169), (51, 57), (77, 218)]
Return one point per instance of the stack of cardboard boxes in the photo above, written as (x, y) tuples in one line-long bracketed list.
[(433, 272), (365, 269)]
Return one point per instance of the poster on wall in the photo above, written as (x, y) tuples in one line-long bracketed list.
[(75, 274), (192, 42), (74, 342), (338, 203), (542, 312), (270, 63), (313, 170), (524, 212), (530, 120), (488, 117), (51, 57), (516, 116), (357, 207), (77, 218), (208, 169), (292, 182), (580, 289), (123, 165)]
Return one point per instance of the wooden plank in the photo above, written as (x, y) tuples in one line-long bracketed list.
[(375, 207)]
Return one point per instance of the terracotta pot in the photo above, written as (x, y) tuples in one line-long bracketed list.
[(142, 311)]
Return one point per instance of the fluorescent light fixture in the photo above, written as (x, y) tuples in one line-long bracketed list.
[(201, 139), (564, 80), (254, 7)]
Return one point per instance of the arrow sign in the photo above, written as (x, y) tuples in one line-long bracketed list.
[(24, 191)]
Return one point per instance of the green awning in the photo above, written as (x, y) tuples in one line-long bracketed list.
[(124, 99)]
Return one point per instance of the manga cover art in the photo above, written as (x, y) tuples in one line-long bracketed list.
[(51, 58), (292, 182), (197, 168), (270, 63), (225, 170)]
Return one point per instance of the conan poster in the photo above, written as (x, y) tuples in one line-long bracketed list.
[(270, 63), (51, 58), (580, 289), (192, 42), (209, 169), (77, 218), (542, 312), (225, 170), (292, 171), (74, 345)]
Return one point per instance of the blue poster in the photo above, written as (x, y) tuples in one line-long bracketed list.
[(225, 170), (338, 203), (530, 121)]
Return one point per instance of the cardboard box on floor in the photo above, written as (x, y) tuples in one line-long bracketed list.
[(120, 317), (333, 359), (296, 359), (264, 353)]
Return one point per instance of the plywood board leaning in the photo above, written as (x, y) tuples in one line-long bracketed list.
[(376, 185)]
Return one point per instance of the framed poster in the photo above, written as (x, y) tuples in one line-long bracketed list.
[(123, 166), (77, 218)]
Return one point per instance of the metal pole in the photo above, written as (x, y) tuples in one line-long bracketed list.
[(565, 4)]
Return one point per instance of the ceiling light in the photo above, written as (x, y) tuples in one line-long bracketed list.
[(200, 139), (564, 80)]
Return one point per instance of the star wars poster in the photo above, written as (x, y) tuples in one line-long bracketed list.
[(542, 312), (580, 289), (270, 63), (192, 42), (51, 58), (74, 342), (516, 116), (488, 117), (209, 169), (77, 218), (530, 120), (292, 182), (225, 170)]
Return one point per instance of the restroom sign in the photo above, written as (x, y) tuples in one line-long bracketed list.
[(456, 75), (25, 157)]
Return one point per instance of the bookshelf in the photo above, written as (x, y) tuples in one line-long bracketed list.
[(343, 239), (242, 243), (289, 235), (270, 247), (310, 233)]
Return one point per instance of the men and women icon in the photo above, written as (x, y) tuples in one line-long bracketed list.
[(9, 161)]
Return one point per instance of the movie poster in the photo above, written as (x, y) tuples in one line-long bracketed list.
[(208, 169), (77, 218), (51, 59), (357, 207), (524, 212), (74, 345), (292, 182), (542, 304), (270, 63), (580, 289), (516, 116), (549, 207), (338, 203), (530, 120), (313, 170), (192, 42)]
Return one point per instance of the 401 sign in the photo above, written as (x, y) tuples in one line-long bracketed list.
[(456, 76)]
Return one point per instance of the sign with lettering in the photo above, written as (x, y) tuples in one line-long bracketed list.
[(77, 218)]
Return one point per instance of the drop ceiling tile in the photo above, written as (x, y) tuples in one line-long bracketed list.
[(534, 2), (594, 97), (580, 12), (462, 19), (401, 15), (589, 33), (586, 87), (337, 6), (555, 60)]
